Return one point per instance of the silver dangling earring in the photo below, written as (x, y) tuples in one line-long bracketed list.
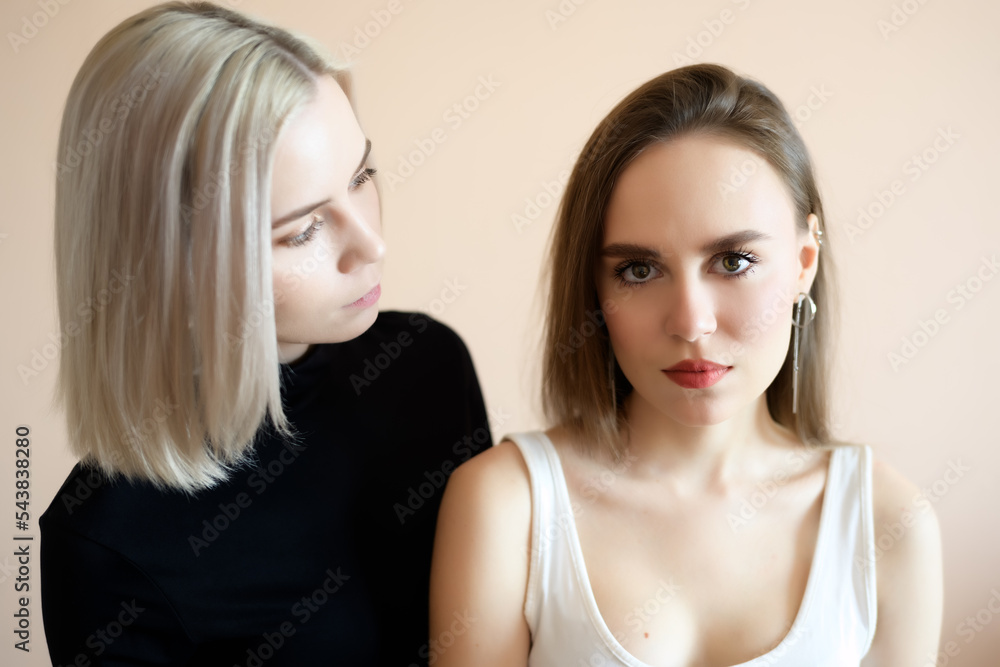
[(802, 315), (611, 373)]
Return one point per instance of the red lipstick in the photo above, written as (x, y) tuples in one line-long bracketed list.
[(696, 373)]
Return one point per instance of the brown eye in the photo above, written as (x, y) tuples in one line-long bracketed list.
[(635, 272), (735, 264), (731, 263)]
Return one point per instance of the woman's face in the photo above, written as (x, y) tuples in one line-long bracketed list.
[(701, 261), (326, 236)]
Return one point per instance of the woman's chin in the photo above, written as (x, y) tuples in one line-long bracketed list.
[(359, 322), (700, 410)]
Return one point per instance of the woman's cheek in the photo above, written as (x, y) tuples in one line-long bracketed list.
[(760, 311), (634, 315), (285, 284), (768, 327), (285, 280), (618, 331), (371, 208)]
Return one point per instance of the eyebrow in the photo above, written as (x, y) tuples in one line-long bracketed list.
[(302, 210), (718, 245)]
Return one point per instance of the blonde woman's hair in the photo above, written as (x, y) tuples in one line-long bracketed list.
[(163, 240), (582, 385)]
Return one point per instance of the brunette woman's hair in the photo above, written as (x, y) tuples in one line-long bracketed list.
[(582, 386)]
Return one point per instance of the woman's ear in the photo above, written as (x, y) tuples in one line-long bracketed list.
[(809, 245)]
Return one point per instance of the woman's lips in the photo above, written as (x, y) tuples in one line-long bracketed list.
[(368, 299), (696, 373)]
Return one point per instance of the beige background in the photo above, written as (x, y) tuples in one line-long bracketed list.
[(877, 99)]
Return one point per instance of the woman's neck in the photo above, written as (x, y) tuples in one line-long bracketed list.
[(704, 458)]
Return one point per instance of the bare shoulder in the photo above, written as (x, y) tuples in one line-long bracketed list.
[(480, 566), (908, 570), (497, 473), (489, 498), (907, 533), (897, 499)]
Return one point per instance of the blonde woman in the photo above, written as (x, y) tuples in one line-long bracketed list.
[(689, 505), (255, 445)]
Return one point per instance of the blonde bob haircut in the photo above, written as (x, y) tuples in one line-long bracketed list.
[(163, 240), (582, 386)]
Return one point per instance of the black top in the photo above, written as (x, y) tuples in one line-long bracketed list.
[(312, 555)]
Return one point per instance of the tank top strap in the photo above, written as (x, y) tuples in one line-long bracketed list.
[(550, 517), (840, 600), (852, 558)]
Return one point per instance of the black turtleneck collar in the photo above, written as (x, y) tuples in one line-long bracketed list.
[(303, 373)]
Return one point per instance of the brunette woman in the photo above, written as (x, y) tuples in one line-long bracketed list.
[(689, 505)]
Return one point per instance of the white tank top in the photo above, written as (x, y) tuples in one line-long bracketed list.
[(835, 622)]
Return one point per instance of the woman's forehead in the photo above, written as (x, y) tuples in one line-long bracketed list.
[(695, 189)]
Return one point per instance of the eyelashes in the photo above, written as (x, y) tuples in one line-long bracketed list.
[(735, 264), (309, 234), (363, 177), (318, 221), (646, 272), (741, 255)]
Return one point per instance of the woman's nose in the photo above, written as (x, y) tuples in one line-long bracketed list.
[(691, 312), (363, 245)]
